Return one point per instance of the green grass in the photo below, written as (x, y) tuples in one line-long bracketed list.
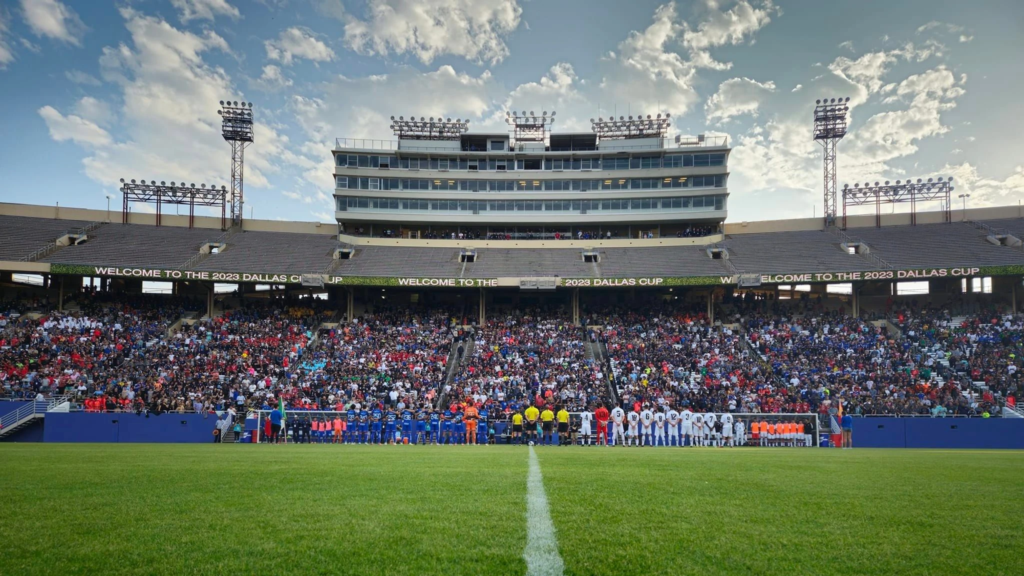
[(176, 509)]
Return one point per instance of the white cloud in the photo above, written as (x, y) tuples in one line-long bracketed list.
[(95, 111), (737, 97), (966, 38), (719, 28), (52, 19), (76, 129), (330, 8), (30, 46), (942, 26), (985, 191), (472, 29), (204, 9), (296, 42), (6, 53), (848, 45), (273, 79), (79, 77)]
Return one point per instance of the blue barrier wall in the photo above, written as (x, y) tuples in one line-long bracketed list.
[(166, 428), (7, 406), (975, 433)]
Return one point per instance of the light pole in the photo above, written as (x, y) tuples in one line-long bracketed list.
[(108, 196), (964, 197)]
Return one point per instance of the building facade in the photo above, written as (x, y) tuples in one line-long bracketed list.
[(563, 184)]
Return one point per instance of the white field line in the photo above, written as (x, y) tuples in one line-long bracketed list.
[(541, 554)]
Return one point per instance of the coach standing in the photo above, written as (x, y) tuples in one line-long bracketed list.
[(847, 425), (275, 424)]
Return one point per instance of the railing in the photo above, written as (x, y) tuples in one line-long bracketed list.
[(987, 228), (877, 261), (52, 246), (456, 145)]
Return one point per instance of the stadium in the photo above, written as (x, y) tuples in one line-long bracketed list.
[(529, 350)]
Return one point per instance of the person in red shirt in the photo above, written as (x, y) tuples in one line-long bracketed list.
[(601, 415)]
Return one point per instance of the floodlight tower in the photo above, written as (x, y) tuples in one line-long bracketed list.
[(236, 127), (829, 129)]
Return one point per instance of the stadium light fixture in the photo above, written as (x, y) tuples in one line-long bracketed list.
[(237, 130), (528, 126), (639, 127), (900, 192), (829, 129)]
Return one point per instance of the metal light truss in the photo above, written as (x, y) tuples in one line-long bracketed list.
[(236, 127), (829, 129), (529, 127), (181, 194), (624, 128), (429, 129), (899, 193)]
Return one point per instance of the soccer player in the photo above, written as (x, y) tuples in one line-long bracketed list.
[(351, 426), (459, 426), (375, 424), (601, 415), (407, 426), (672, 420), (632, 434), (517, 428), (482, 416), (727, 430), (339, 428), (586, 417), (697, 421), (767, 434), (741, 435), (659, 428), (364, 426), (646, 420), (390, 423), (563, 426), (532, 416), (686, 418), (618, 416), (547, 421), (421, 425), (446, 426), (434, 431), (470, 416), (710, 420)]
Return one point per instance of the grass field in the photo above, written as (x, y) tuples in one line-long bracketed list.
[(227, 509)]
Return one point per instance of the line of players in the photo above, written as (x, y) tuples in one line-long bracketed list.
[(422, 425)]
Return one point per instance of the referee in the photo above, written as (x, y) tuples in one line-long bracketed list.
[(563, 426), (547, 421)]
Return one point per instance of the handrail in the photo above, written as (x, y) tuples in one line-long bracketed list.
[(456, 145), (877, 261), (52, 246)]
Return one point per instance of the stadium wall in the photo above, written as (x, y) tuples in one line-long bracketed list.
[(128, 427), (8, 406), (970, 433)]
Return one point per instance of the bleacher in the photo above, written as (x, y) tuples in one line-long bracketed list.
[(411, 262), (779, 252), (937, 245), (660, 261), (270, 252), (136, 245), (497, 263), (20, 236)]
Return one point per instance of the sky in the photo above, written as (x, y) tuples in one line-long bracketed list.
[(93, 91)]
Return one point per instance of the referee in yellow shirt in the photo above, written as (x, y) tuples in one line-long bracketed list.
[(547, 422), (532, 414), (517, 428), (563, 426)]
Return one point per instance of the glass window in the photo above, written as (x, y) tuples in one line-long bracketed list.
[(717, 160), (341, 182), (374, 161), (363, 161), (498, 145), (634, 163), (340, 159)]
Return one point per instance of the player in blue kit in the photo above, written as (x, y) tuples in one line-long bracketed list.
[(446, 427), (364, 426), (481, 430), (421, 426), (407, 424), (351, 427), (435, 428), (389, 430), (375, 424), (460, 428)]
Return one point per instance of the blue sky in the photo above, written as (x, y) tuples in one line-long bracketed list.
[(93, 91)]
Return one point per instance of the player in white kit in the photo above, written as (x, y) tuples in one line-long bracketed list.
[(586, 417), (673, 427), (632, 420), (659, 428), (727, 430), (646, 419), (709, 429), (686, 419), (698, 430), (741, 433), (618, 416)]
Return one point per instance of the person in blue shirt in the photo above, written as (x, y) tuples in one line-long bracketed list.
[(481, 430), (389, 430), (407, 424), (351, 427), (460, 428), (847, 424), (275, 425), (435, 428), (421, 426), (375, 423), (364, 426), (446, 427)]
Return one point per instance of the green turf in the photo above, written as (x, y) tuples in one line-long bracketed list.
[(175, 509)]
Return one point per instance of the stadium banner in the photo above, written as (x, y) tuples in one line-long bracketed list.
[(621, 282)]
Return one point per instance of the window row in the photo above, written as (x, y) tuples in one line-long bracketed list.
[(499, 164), (365, 183), (345, 203)]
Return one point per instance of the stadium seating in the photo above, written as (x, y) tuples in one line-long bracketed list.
[(136, 246), (20, 237), (270, 252)]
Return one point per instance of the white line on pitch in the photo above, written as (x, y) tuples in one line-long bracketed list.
[(541, 552)]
